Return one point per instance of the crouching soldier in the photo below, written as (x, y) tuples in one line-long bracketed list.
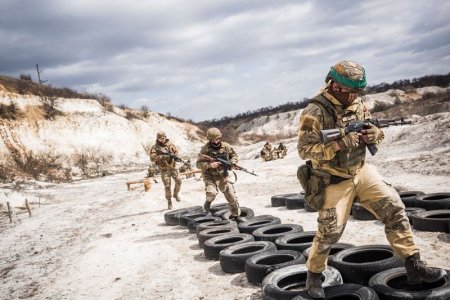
[(166, 165), (215, 175), (266, 152), (282, 150)]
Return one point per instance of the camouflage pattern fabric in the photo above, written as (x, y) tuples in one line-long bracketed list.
[(363, 181), (166, 179), (377, 197), (167, 167), (214, 179)]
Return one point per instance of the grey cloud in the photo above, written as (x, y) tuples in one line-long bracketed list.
[(228, 56)]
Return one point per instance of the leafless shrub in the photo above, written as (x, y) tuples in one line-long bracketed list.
[(131, 115), (49, 106), (45, 163), (91, 161), (10, 111), (145, 110), (123, 106)]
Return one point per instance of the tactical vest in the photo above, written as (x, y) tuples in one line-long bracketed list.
[(345, 158)]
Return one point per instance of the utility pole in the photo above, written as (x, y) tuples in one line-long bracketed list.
[(39, 75)]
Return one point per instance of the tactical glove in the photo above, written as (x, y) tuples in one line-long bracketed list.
[(371, 134), (351, 140)]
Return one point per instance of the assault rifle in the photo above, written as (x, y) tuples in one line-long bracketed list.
[(328, 135), (228, 165), (171, 155)]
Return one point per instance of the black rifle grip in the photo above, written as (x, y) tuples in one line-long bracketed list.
[(373, 149)]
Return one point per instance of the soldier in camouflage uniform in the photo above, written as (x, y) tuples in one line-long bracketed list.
[(339, 174), (213, 172), (166, 165), (266, 152), (282, 150)]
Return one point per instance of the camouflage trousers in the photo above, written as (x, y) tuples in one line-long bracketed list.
[(166, 179), (215, 183), (377, 197)]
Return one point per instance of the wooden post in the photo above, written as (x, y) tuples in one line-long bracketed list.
[(9, 212), (28, 207)]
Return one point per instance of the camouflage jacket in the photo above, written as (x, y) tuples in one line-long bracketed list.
[(316, 117), (164, 162), (225, 151)]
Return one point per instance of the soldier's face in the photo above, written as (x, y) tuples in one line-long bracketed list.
[(215, 142), (162, 139), (345, 95)]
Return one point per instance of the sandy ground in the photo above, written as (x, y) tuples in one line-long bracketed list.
[(94, 239)]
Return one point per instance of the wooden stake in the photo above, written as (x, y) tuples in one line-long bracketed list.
[(9, 212), (28, 207)]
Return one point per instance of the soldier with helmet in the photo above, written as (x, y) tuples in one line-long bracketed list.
[(167, 166), (336, 173), (214, 175)]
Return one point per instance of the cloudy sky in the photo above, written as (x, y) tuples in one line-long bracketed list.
[(205, 59)]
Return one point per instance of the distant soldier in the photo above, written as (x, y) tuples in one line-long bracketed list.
[(266, 152), (214, 174), (166, 165), (282, 150), (186, 167), (152, 171)]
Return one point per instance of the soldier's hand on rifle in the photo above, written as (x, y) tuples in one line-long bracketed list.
[(214, 165), (371, 134), (351, 140)]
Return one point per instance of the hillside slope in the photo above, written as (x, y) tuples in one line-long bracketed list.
[(86, 126)]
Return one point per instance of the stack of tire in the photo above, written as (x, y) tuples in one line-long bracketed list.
[(428, 212), (273, 255)]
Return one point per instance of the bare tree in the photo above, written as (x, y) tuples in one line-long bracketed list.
[(145, 110)]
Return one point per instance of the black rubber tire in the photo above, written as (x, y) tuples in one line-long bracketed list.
[(288, 282), (219, 213), (360, 213), (338, 247), (434, 201), (298, 241), (409, 198), (193, 223), (346, 291), (213, 246), (207, 234), (280, 200), (295, 202), (218, 206), (214, 224), (358, 264), (272, 232), (232, 259), (259, 266), (185, 218), (172, 217), (392, 285), (410, 211), (433, 220), (245, 212), (257, 222)]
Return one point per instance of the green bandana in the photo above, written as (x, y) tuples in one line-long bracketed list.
[(351, 83)]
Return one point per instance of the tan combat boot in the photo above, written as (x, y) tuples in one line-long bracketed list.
[(314, 285), (418, 272), (177, 198)]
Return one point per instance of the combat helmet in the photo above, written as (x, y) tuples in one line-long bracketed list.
[(348, 74), (213, 133), (160, 134)]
